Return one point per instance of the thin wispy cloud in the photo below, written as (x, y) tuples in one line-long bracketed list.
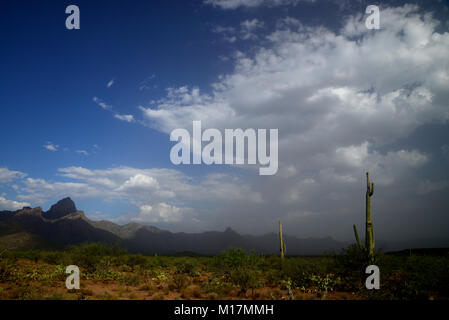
[(124, 117), (246, 31), (249, 29), (147, 83), (83, 152), (51, 146), (102, 104), (234, 4), (110, 83), (228, 33)]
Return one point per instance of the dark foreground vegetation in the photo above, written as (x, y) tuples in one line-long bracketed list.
[(112, 273)]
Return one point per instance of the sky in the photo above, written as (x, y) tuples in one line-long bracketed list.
[(88, 113)]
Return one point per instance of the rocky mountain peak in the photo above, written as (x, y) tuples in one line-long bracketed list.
[(229, 230), (61, 208)]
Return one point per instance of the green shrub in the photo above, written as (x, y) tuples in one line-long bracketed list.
[(136, 260), (178, 282), (26, 292), (56, 257), (245, 278), (6, 269), (187, 267), (217, 285), (160, 276), (412, 278), (235, 258), (131, 279), (88, 255)]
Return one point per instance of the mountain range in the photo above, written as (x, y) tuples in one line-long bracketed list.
[(64, 225)]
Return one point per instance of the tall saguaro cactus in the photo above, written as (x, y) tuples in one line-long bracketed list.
[(369, 229), (369, 238), (281, 241)]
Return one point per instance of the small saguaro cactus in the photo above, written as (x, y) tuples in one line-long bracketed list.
[(281, 241), (369, 229)]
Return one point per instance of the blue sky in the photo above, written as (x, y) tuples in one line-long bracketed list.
[(87, 113)]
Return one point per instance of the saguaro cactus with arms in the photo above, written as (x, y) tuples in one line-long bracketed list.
[(369, 229)]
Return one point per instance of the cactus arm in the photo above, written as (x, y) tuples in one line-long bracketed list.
[(357, 238)]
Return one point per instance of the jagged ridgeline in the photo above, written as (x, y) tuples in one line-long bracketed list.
[(63, 224)]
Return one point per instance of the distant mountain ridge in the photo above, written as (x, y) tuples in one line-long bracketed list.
[(64, 225)]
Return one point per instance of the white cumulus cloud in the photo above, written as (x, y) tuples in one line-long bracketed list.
[(11, 205), (157, 213)]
